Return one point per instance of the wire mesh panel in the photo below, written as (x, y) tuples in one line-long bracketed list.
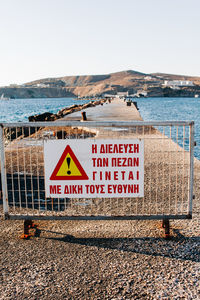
[(168, 170)]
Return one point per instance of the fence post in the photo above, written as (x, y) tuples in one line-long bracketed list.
[(190, 194), (3, 173)]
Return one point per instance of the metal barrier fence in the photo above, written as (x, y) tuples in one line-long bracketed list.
[(168, 170)]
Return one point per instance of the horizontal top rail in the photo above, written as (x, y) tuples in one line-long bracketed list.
[(98, 123)]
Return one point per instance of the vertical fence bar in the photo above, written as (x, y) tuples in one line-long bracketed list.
[(190, 193), (183, 175), (176, 195), (3, 172), (170, 162), (156, 180), (37, 168), (31, 170), (11, 170), (25, 182), (163, 171), (150, 179), (18, 171)]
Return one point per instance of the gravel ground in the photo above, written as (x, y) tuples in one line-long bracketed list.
[(99, 260)]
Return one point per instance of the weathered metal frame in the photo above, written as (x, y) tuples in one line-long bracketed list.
[(97, 124), (3, 173), (99, 218)]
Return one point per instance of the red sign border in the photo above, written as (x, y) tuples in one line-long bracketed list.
[(77, 163)]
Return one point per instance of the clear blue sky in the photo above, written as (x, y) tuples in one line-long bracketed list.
[(51, 38)]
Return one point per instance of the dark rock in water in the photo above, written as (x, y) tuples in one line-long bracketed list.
[(14, 133), (47, 116), (42, 117), (63, 112), (73, 106), (68, 110), (98, 102), (90, 104), (76, 108)]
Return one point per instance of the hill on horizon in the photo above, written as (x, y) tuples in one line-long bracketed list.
[(130, 81), (91, 85)]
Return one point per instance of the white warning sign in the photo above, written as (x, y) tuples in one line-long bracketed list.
[(94, 168)]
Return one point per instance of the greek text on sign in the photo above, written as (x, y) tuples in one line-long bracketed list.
[(94, 168)]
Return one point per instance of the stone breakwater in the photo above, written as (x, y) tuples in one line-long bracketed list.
[(21, 132), (47, 116)]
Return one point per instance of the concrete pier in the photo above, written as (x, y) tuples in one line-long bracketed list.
[(116, 110)]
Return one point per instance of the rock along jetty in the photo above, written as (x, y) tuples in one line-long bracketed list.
[(64, 112)]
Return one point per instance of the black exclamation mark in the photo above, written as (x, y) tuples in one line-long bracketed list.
[(68, 164)]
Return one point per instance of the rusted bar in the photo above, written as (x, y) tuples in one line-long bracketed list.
[(28, 224), (166, 226)]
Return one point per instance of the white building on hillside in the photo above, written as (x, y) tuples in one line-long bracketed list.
[(122, 95), (42, 85), (178, 83)]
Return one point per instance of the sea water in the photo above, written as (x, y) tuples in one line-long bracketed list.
[(162, 109), (16, 110), (172, 109)]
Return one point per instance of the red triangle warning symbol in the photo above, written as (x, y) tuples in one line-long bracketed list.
[(68, 167)]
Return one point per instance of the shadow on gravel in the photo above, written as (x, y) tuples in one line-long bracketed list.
[(178, 247)]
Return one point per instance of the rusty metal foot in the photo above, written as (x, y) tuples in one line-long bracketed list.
[(28, 224), (166, 226)]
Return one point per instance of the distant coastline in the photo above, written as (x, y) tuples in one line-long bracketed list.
[(131, 82)]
